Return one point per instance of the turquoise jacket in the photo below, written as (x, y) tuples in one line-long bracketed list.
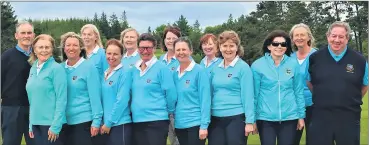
[(279, 90)]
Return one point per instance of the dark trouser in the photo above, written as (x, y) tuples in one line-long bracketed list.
[(171, 134), (40, 133), (227, 130), (343, 127), (15, 124), (120, 135), (79, 134), (284, 132), (189, 136), (307, 122), (151, 133), (100, 139)]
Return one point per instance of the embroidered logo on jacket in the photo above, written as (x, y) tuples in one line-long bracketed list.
[(74, 78), (350, 68), (187, 83), (288, 71), (173, 68), (110, 82), (148, 81), (229, 75)]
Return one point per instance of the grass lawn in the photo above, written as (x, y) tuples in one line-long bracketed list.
[(254, 139)]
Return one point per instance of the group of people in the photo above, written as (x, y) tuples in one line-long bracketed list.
[(125, 95)]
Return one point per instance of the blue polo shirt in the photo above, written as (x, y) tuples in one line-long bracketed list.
[(27, 53)]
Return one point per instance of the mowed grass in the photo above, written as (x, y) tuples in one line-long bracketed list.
[(254, 139)]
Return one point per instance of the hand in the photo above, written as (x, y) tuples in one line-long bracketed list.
[(94, 131), (31, 134), (104, 129), (300, 124), (203, 133), (255, 129), (52, 136), (249, 128)]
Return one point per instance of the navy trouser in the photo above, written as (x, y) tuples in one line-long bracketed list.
[(339, 126), (79, 134), (40, 133), (282, 133), (151, 133), (100, 139), (15, 124), (300, 132), (227, 130), (189, 136), (120, 135)]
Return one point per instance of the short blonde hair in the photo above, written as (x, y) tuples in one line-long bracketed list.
[(311, 43), (125, 31), (231, 35), (33, 56), (64, 38), (96, 31)]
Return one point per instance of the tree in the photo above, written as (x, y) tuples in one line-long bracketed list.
[(158, 33), (182, 23), (96, 20), (149, 30), (8, 24), (195, 36), (104, 26), (123, 21), (115, 27)]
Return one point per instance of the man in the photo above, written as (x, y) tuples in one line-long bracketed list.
[(14, 74), (338, 78)]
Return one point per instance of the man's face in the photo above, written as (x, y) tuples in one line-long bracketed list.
[(25, 35)]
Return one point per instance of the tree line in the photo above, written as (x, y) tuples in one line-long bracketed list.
[(252, 28)]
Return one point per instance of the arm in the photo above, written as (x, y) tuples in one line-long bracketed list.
[(123, 97), (205, 98), (257, 80), (167, 84), (94, 92), (247, 94), (60, 88), (298, 89), (364, 89)]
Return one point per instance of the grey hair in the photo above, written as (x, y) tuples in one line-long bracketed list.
[(340, 24), (23, 23), (311, 42)]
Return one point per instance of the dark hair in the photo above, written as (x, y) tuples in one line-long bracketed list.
[(64, 38), (205, 38), (147, 37), (115, 42), (184, 39), (277, 33), (175, 30)]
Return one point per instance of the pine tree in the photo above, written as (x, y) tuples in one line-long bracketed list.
[(8, 24)]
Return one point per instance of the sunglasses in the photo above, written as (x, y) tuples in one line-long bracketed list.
[(276, 44)]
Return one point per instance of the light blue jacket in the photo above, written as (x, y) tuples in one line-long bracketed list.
[(279, 91)]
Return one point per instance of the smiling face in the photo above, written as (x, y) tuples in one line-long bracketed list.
[(146, 50), (113, 55), (278, 47), (25, 35), (338, 39), (182, 52), (209, 47), (300, 37), (130, 40), (228, 50), (89, 37), (72, 48), (43, 49), (169, 40)]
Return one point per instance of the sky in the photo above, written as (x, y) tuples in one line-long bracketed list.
[(140, 15)]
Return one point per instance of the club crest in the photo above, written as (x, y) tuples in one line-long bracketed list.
[(148, 81), (229, 75), (350, 68), (173, 68), (110, 82), (288, 71), (187, 83), (74, 78)]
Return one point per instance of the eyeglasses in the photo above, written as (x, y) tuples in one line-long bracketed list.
[(145, 48), (276, 44)]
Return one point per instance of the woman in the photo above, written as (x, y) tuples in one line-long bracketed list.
[(303, 40), (116, 95), (94, 48), (153, 95), (129, 38), (171, 33), (192, 115), (278, 91), (47, 93), (208, 44), (232, 105), (84, 109)]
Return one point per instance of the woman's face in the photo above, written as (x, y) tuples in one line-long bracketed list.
[(113, 55), (228, 49), (72, 48), (300, 37), (209, 47), (89, 37), (130, 40), (43, 49), (169, 39), (182, 52), (278, 47)]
